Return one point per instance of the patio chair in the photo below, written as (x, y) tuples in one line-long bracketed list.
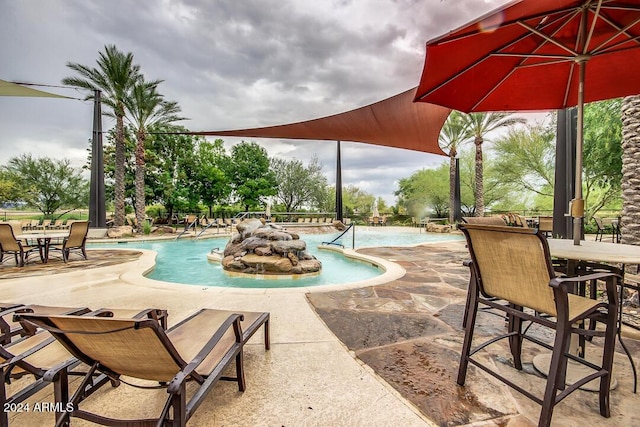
[(46, 359), (601, 228), (76, 240), (10, 245), (10, 328), (513, 265), (199, 348), (545, 225), (484, 220)]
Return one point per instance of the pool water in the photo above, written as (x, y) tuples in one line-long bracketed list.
[(185, 260)]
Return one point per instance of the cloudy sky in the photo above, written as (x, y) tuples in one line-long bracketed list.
[(229, 64)]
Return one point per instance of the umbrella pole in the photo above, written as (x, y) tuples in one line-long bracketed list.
[(577, 206)]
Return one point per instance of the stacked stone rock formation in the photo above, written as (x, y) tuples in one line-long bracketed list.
[(261, 248)]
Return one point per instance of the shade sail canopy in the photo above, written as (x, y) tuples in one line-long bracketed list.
[(394, 122), (526, 56), (13, 89)]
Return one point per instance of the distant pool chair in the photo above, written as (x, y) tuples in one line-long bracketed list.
[(10, 245), (76, 240)]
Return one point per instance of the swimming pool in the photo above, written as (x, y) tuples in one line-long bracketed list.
[(185, 260)]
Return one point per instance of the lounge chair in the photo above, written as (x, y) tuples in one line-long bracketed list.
[(76, 240), (199, 348), (46, 359), (10, 245), (9, 328), (511, 271)]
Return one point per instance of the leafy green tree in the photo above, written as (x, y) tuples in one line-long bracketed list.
[(115, 77), (602, 155), (480, 124), (8, 188), (250, 176), (454, 133), (525, 157), (426, 190), (212, 183), (355, 199), (145, 107), (170, 169), (298, 185), (48, 184)]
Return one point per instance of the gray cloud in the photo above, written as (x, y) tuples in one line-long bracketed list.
[(229, 64)]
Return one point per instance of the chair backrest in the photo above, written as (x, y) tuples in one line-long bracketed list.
[(484, 220), (599, 223), (512, 263), (132, 347), (8, 240), (77, 234), (545, 223)]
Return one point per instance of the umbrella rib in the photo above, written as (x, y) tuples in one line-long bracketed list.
[(620, 32), (596, 13), (495, 87), (547, 38)]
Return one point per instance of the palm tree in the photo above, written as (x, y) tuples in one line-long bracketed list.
[(146, 107), (114, 77), (480, 124), (454, 132), (630, 220)]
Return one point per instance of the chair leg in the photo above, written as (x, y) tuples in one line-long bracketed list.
[(556, 373), (515, 340), (242, 384), (4, 415), (468, 334), (607, 362)]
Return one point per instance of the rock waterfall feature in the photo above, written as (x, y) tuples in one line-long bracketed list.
[(260, 248)]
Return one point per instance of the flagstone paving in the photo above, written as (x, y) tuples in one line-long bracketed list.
[(409, 332)]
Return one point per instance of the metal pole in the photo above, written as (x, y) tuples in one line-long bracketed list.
[(457, 200), (97, 209), (338, 185)]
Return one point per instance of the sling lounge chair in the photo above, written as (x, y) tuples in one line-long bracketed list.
[(513, 265), (9, 328), (46, 359), (198, 348)]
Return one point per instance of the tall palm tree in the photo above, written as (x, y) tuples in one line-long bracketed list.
[(630, 220), (454, 132), (114, 77), (146, 107), (480, 124)]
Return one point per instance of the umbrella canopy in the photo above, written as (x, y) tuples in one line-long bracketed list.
[(538, 55)]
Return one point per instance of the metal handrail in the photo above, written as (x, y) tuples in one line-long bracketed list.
[(333, 242)]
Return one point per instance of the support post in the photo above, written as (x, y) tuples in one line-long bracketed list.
[(339, 212), (97, 209)]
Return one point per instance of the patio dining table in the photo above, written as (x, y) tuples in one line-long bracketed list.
[(615, 255), (43, 241)]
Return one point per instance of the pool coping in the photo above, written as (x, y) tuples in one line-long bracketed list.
[(146, 263)]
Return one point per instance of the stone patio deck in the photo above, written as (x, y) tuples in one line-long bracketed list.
[(374, 356)]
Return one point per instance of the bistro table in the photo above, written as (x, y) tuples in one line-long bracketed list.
[(589, 251), (43, 241)]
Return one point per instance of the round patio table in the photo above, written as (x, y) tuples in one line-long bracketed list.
[(43, 241), (600, 252)]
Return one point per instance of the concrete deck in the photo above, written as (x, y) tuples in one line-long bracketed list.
[(381, 355)]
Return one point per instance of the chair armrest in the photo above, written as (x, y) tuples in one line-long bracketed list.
[(233, 320), (610, 279)]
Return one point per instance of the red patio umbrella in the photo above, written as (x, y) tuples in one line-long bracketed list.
[(538, 55)]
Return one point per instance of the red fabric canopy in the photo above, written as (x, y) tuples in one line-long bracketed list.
[(394, 122), (525, 55)]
